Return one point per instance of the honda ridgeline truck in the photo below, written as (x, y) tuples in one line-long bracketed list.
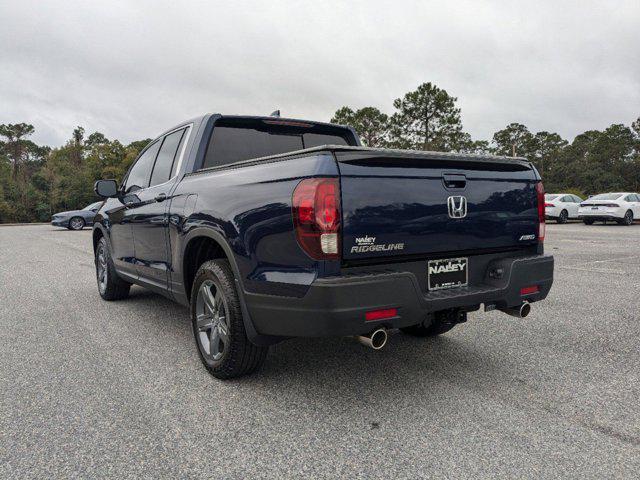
[(271, 228)]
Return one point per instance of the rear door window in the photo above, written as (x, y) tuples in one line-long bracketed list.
[(139, 174), (166, 157)]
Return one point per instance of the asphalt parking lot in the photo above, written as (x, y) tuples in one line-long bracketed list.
[(90, 389)]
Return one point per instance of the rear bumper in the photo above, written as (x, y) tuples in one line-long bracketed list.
[(600, 214), (336, 306), (552, 212), (600, 217)]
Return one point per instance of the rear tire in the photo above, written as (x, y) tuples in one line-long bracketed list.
[(588, 221), (441, 323), (110, 285), (76, 223), (218, 326), (564, 216)]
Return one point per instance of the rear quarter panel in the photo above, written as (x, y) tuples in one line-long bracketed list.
[(250, 208)]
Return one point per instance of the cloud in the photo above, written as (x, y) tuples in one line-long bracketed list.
[(133, 69)]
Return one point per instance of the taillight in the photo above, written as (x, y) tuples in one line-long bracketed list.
[(549, 205), (612, 205), (541, 228), (316, 217)]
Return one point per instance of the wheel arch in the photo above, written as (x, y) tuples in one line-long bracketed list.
[(203, 244), (199, 249), (97, 234)]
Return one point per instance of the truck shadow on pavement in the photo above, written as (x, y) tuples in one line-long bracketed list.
[(341, 382), (340, 367)]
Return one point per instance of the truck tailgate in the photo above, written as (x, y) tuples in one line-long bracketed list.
[(396, 203)]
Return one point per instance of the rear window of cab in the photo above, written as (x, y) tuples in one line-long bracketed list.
[(235, 140)]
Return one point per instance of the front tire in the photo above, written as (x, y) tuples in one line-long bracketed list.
[(110, 285), (563, 217), (441, 323), (218, 326), (76, 223), (588, 221)]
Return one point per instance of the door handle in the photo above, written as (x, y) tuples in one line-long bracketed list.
[(161, 197), (456, 181)]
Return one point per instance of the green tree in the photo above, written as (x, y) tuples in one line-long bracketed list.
[(636, 127), (465, 144), (427, 119), (514, 140), (16, 146), (600, 161), (77, 140), (371, 124), (96, 138), (547, 149)]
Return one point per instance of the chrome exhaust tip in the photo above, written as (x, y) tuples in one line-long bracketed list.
[(376, 339), (519, 312)]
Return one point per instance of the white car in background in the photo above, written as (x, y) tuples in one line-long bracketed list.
[(620, 207), (561, 206)]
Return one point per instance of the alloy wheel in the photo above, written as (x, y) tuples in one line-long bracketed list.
[(563, 217), (101, 268), (212, 320), (77, 223)]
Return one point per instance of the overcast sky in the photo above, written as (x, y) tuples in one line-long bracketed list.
[(131, 69)]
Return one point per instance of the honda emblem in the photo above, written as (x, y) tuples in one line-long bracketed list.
[(457, 207)]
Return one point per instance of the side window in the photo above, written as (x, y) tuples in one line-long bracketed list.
[(166, 158), (174, 168), (629, 198), (577, 199), (138, 177), (567, 199)]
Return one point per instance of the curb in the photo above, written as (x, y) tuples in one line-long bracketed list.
[(23, 224)]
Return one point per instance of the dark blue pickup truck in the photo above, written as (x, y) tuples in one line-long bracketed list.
[(272, 228)]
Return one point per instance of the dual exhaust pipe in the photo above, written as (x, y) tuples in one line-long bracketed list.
[(519, 312), (378, 338)]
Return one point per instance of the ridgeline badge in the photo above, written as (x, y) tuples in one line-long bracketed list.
[(368, 244)]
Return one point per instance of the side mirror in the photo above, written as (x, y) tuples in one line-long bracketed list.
[(106, 188)]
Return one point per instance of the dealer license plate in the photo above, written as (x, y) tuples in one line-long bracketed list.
[(448, 273)]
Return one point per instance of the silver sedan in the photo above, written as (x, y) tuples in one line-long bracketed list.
[(76, 219)]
